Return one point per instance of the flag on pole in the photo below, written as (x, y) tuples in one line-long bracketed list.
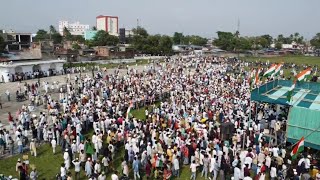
[(298, 148), (270, 71), (129, 109), (257, 78), (251, 77), (277, 70), (290, 92), (303, 75)]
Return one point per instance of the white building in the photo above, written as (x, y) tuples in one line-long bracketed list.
[(109, 24), (74, 28), (7, 69)]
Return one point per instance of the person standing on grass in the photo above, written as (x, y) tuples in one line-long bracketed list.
[(33, 148), (135, 166), (33, 174), (63, 172), (193, 168), (53, 145), (76, 164)]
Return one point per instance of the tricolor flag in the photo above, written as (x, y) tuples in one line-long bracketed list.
[(251, 77), (277, 70), (270, 71), (303, 75), (290, 92), (129, 109), (257, 78), (299, 147)]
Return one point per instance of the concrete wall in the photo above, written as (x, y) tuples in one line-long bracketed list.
[(115, 61), (149, 57)]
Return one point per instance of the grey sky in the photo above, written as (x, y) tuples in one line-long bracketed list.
[(202, 17)]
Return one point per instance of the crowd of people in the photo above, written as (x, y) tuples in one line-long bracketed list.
[(198, 116)]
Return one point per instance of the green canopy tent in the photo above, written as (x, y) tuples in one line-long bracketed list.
[(304, 114)]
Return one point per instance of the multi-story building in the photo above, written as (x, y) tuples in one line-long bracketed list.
[(109, 24), (74, 28)]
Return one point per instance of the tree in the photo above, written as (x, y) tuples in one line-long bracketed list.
[(298, 38), (140, 32), (225, 40), (78, 38), (52, 29), (198, 41), (94, 28), (278, 45), (165, 45), (315, 41), (102, 38), (177, 38), (2, 44), (57, 38), (41, 35), (76, 46), (66, 34), (268, 41)]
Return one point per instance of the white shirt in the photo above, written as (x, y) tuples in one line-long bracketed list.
[(273, 172), (193, 167), (236, 173), (63, 171), (114, 177)]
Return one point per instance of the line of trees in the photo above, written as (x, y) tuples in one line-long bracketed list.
[(141, 41), (234, 42)]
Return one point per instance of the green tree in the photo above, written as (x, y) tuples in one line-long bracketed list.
[(315, 41), (2, 44), (102, 38), (57, 38), (268, 39), (165, 45), (52, 29), (178, 38), (67, 35), (94, 28), (76, 46), (78, 38), (140, 32), (197, 40), (225, 41), (244, 44), (41, 35), (278, 45), (298, 38)]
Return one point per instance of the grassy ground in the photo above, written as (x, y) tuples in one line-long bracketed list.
[(299, 60)]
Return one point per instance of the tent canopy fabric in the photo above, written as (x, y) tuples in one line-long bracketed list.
[(304, 122), (305, 94), (304, 115)]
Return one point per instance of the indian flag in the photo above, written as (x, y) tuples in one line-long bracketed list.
[(257, 78), (290, 92), (270, 71), (303, 75), (277, 70), (129, 109), (299, 147), (251, 76)]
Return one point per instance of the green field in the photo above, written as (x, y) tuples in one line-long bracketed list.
[(298, 60)]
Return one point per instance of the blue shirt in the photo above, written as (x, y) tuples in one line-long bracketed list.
[(135, 166)]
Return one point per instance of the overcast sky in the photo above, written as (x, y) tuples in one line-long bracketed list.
[(201, 17)]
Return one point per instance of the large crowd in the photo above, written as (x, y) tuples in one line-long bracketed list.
[(199, 116)]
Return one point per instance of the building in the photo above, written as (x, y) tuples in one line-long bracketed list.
[(88, 35), (27, 63), (75, 28), (109, 24), (16, 41)]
